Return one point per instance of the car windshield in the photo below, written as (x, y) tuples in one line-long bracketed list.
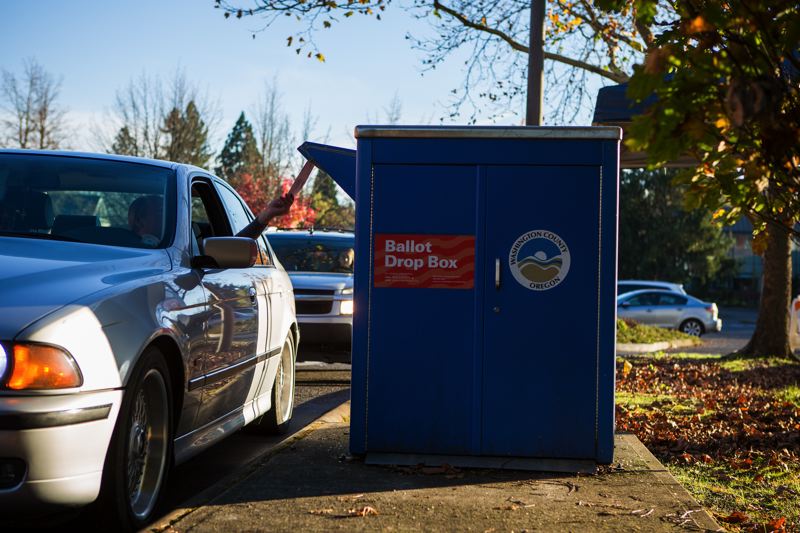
[(313, 254), (86, 200)]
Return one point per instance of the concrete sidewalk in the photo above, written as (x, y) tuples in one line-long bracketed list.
[(313, 485)]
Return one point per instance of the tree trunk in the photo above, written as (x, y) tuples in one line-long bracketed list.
[(771, 336)]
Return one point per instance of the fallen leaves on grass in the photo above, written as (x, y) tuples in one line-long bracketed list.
[(699, 414), (736, 517)]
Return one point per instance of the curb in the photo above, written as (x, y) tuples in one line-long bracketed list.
[(654, 346), (695, 516), (337, 415)]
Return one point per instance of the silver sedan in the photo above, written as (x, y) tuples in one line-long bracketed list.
[(668, 309), (135, 330)]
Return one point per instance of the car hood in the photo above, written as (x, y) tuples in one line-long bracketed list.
[(37, 276), (320, 280)]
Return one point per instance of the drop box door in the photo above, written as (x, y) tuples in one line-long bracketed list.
[(541, 345)]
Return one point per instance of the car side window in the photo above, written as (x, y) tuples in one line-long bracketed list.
[(671, 299), (647, 298), (236, 211), (240, 218), (208, 218), (630, 288)]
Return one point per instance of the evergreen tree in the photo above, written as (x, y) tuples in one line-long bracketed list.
[(240, 153), (187, 136), (659, 239), (324, 187), (125, 143), (330, 213)]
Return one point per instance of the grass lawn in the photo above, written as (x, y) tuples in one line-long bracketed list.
[(728, 429), (629, 331)]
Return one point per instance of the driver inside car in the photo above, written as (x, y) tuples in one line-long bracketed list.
[(144, 219)]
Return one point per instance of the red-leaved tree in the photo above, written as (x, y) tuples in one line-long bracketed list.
[(253, 190)]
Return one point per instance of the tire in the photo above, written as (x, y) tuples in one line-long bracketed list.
[(276, 421), (692, 327), (140, 454)]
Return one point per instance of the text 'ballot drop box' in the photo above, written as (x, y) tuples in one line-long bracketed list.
[(485, 284)]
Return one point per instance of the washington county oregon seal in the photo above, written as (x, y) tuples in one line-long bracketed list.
[(539, 260)]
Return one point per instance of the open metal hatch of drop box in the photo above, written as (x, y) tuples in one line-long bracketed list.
[(485, 284)]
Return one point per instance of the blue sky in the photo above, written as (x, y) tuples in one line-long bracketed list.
[(98, 46)]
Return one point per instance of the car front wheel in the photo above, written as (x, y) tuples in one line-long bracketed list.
[(139, 455), (692, 327), (276, 420)]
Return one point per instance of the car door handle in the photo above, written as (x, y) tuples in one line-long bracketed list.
[(497, 273), (252, 293)]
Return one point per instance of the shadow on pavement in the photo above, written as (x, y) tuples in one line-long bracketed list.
[(315, 486), (322, 467)]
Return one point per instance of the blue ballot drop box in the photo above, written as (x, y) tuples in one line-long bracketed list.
[(485, 284)]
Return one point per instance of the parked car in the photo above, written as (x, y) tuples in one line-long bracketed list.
[(135, 331), (668, 309), (629, 285), (320, 265)]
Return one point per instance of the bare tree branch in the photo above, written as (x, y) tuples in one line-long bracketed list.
[(617, 77), (33, 119)]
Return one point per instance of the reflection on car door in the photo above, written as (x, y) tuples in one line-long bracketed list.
[(232, 317), (270, 298)]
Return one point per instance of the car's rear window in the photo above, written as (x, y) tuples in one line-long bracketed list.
[(313, 254), (86, 200)]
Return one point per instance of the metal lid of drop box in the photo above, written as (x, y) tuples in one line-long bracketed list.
[(490, 132)]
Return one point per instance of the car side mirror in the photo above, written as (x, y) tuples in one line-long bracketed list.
[(227, 252), (624, 304)]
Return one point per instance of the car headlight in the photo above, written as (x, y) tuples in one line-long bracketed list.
[(348, 290), (26, 366), (3, 362), (346, 307)]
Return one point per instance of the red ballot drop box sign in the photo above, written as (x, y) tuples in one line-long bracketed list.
[(425, 261)]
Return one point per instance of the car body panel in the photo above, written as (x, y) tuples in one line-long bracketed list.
[(46, 275), (70, 457)]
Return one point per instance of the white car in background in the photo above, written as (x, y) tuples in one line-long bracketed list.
[(668, 309), (123, 353)]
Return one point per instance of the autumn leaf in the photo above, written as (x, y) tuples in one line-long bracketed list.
[(363, 511), (735, 517), (777, 525), (698, 25), (626, 368)]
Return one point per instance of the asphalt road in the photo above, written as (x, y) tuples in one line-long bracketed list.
[(738, 325)]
